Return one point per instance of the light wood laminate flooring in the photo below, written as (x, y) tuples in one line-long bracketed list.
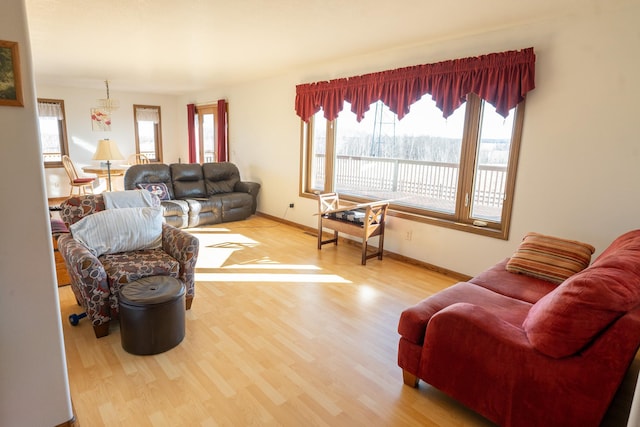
[(280, 334)]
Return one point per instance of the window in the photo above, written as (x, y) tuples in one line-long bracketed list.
[(457, 172), (380, 137), (53, 131), (206, 133), (148, 131)]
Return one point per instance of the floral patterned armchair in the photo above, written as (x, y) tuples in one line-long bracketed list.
[(96, 281)]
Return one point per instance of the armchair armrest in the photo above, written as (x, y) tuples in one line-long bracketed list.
[(88, 279), (183, 247)]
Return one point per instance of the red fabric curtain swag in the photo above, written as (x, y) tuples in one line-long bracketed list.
[(191, 132), (222, 142), (502, 79)]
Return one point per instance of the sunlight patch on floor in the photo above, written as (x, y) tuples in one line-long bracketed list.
[(216, 248), (213, 258), (225, 240), (196, 231), (270, 277), (274, 266)]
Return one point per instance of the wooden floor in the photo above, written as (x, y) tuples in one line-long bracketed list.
[(280, 334)]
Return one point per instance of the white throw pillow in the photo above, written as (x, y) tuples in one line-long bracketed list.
[(128, 199), (120, 230)]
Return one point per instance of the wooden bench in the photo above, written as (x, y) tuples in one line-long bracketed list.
[(363, 220)]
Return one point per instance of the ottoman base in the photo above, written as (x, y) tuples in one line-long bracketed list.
[(152, 315)]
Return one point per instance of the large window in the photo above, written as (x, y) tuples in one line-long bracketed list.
[(458, 172), (53, 131), (148, 131), (439, 141)]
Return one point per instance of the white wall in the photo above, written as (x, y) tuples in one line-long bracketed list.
[(82, 140), (578, 172), (34, 388)]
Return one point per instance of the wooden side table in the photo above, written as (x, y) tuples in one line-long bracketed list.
[(62, 275)]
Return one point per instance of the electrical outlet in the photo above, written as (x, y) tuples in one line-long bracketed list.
[(291, 205), (408, 235)]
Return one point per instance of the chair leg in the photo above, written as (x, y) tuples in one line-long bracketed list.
[(188, 301), (409, 379), (381, 245), (101, 330), (364, 251)]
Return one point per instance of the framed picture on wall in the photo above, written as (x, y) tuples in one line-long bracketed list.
[(10, 82), (100, 120)]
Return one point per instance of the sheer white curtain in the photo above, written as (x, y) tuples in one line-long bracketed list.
[(50, 109), (147, 115)]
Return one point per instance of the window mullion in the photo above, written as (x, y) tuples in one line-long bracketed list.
[(306, 158), (514, 154), (329, 172), (464, 198)]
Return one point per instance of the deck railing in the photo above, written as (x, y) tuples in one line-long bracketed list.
[(414, 180)]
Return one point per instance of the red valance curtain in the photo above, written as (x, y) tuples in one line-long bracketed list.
[(222, 142), (502, 79), (191, 132)]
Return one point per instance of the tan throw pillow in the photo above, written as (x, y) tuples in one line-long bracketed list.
[(550, 258)]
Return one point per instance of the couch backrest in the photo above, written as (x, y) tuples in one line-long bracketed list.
[(567, 319), (187, 180), (220, 177), (153, 173)]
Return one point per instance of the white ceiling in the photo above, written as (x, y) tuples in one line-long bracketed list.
[(173, 47)]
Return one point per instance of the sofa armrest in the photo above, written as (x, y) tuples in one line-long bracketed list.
[(247, 187), (88, 279), (467, 345), (251, 188), (183, 247)]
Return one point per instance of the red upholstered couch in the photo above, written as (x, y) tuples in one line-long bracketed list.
[(522, 351)]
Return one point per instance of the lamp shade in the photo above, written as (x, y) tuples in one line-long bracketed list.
[(107, 150)]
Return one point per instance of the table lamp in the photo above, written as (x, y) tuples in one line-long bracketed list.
[(108, 150)]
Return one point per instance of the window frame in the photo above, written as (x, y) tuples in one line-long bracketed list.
[(462, 218), (157, 129), (201, 110), (62, 133)]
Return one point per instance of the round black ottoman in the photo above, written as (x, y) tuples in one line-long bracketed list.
[(152, 315)]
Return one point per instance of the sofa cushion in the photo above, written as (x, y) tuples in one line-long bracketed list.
[(518, 286), (550, 258), (414, 320), (568, 318), (220, 177), (120, 230), (160, 189), (188, 182), (129, 199), (126, 267)]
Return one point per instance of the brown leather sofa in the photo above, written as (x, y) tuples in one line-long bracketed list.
[(192, 194)]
